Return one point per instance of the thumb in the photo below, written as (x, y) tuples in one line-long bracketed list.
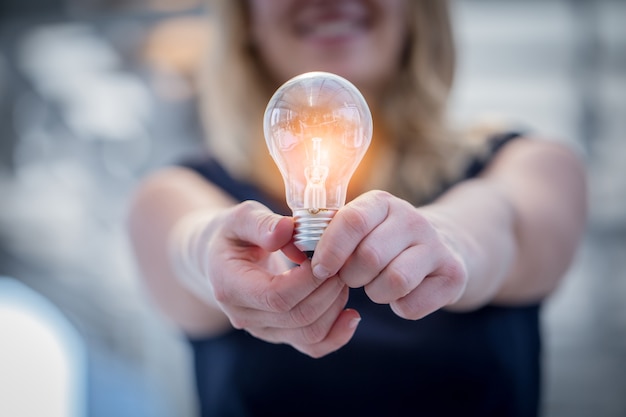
[(254, 223)]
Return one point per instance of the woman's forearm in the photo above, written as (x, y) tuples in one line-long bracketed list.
[(518, 226), (478, 223), (160, 230)]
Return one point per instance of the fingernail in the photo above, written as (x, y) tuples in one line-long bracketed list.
[(320, 272), (354, 322)]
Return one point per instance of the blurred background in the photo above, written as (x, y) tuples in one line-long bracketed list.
[(95, 94)]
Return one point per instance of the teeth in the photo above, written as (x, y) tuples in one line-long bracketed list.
[(337, 28)]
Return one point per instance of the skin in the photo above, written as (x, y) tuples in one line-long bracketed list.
[(506, 237), (360, 40)]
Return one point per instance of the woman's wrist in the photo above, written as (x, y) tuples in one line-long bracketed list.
[(185, 248), (476, 221)]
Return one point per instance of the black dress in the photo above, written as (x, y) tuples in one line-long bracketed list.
[(482, 363)]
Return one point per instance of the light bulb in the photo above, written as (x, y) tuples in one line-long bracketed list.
[(317, 127)]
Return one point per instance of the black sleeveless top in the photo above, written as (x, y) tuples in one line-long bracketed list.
[(482, 363)]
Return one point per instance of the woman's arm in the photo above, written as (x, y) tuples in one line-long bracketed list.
[(506, 237), (164, 200), (212, 265), (523, 220)]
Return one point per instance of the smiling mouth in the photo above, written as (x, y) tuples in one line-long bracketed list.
[(333, 21), (332, 29)]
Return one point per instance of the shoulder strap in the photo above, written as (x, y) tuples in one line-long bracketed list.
[(495, 143), (209, 168)]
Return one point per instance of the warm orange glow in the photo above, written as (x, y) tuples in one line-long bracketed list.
[(317, 130)]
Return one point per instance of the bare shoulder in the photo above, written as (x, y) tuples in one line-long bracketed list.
[(180, 183), (535, 152), (172, 177)]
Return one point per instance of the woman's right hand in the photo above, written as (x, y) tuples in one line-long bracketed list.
[(255, 286)]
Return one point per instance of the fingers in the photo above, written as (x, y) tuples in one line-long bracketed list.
[(252, 287), (319, 339), (377, 241), (402, 275), (339, 335), (418, 282), (433, 293), (291, 307), (347, 229), (303, 314), (387, 246), (312, 333), (252, 223), (294, 254), (316, 326), (444, 286), (374, 254), (238, 261)]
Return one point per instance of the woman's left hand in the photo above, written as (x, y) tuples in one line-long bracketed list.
[(394, 250)]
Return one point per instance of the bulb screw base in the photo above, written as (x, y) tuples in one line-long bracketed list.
[(310, 225)]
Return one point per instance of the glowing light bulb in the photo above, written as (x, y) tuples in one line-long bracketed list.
[(317, 128)]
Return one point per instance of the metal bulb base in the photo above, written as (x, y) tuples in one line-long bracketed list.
[(310, 225)]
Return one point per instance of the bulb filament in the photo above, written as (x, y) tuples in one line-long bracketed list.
[(316, 174)]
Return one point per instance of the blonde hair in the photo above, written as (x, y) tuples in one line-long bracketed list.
[(422, 149)]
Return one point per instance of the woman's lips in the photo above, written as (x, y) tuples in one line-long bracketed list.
[(332, 21), (332, 29)]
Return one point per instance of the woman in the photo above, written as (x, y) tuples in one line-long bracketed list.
[(423, 295)]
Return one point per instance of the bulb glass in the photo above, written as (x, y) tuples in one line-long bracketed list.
[(318, 127)]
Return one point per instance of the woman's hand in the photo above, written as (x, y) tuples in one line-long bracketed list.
[(395, 251), (506, 237), (255, 287)]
